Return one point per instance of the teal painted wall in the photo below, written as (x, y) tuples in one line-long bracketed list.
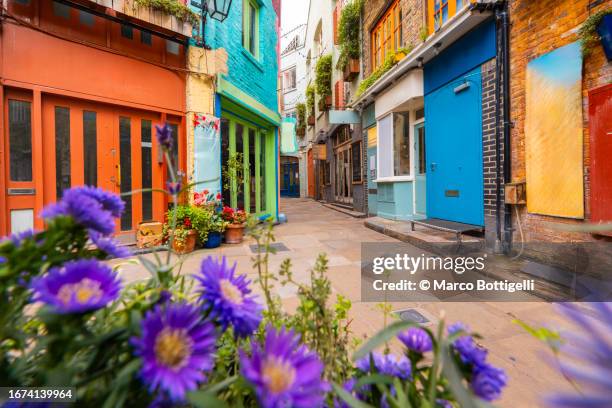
[(395, 200), (257, 77), (372, 198)]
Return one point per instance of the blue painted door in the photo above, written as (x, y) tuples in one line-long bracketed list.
[(291, 180), (454, 151), (420, 170)]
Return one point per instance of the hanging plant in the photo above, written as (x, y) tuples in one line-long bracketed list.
[(300, 109), (588, 32), (324, 76), (348, 33), (310, 99), (172, 7)]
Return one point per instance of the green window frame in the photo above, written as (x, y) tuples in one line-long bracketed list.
[(250, 27)]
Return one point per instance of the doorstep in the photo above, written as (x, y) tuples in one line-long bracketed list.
[(344, 209), (435, 241)]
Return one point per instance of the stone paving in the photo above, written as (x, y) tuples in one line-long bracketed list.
[(314, 229)]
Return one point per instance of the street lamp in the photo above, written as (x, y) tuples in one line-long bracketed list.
[(218, 9)]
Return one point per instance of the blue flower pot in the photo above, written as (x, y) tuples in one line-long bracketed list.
[(604, 29), (213, 241)]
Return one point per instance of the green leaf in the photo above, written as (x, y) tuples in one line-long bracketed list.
[(374, 379), (381, 337), (205, 399), (552, 338), (349, 398), (215, 388)]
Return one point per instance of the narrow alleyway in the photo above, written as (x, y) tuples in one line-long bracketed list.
[(313, 229)]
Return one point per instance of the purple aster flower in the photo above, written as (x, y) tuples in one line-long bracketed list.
[(226, 296), (348, 386), (488, 382), (2, 260), (416, 339), (174, 188), (387, 364), (164, 136), (176, 347), (589, 357), (109, 245), (442, 403), (110, 202), (284, 372), (18, 237), (79, 286), (469, 351), (90, 207)]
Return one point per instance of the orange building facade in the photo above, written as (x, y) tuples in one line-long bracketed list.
[(82, 88)]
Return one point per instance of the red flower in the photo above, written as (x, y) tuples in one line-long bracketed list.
[(218, 196), (187, 222)]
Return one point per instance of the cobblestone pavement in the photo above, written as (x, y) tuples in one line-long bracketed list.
[(314, 229)]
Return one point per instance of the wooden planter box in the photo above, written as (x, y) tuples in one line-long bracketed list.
[(150, 15), (351, 70), (311, 120)]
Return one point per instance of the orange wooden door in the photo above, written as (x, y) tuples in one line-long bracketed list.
[(19, 157), (600, 114), (88, 143), (311, 175)]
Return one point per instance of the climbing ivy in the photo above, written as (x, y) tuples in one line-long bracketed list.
[(310, 99), (388, 63), (300, 110), (172, 7), (348, 33), (324, 76), (588, 32)]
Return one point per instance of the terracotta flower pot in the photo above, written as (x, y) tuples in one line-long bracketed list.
[(186, 245), (234, 233)]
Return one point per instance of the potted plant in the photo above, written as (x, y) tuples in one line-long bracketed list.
[(179, 230), (216, 226), (349, 37), (206, 199), (351, 69), (236, 220)]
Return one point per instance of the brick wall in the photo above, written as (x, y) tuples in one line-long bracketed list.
[(413, 18), (539, 27)]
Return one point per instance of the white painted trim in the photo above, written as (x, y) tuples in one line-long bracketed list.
[(394, 179)]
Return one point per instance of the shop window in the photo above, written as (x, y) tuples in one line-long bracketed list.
[(394, 146), (62, 150), (147, 169), (61, 10), (20, 140), (250, 27), (252, 172), (386, 36), (145, 38), (125, 172), (460, 4), (356, 161), (86, 18), (90, 148), (127, 31)]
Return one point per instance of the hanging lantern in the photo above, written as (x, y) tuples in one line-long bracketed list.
[(219, 9)]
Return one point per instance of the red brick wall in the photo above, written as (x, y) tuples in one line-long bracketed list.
[(539, 27), (413, 18)]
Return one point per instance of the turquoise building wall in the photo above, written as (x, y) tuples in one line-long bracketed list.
[(256, 77)]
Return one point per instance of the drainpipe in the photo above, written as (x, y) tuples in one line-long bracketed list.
[(502, 15)]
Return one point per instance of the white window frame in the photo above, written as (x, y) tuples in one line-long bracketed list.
[(288, 71), (391, 179)]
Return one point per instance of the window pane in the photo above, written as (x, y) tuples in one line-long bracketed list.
[(62, 150), (90, 148), (126, 31), (125, 157), (422, 159), (225, 148), (145, 38), (147, 170), (252, 29), (262, 172), (401, 144), (86, 18), (61, 10), (356, 159), (240, 149), (20, 140), (253, 184), (385, 147), (172, 47)]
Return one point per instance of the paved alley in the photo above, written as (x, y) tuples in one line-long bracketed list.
[(313, 229)]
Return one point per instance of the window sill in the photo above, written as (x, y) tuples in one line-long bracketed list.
[(393, 179), (252, 58)]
